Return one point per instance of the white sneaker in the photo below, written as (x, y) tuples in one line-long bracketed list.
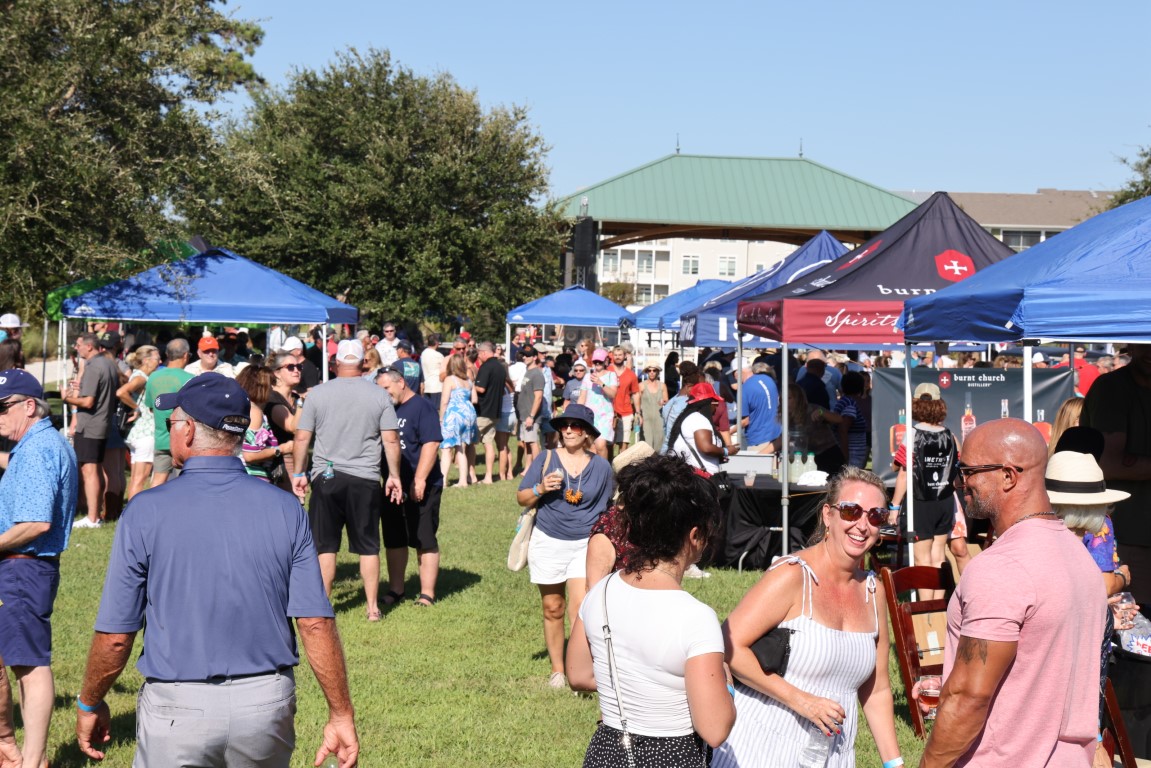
[(693, 572), (87, 522), (557, 681)]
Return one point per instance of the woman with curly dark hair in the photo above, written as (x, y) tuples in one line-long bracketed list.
[(663, 686)]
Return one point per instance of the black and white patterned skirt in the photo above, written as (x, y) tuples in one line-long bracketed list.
[(607, 750)]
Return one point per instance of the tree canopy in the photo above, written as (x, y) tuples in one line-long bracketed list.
[(395, 190), (1138, 187), (100, 128)]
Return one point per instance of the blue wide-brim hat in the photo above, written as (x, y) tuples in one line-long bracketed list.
[(577, 414), (213, 400)]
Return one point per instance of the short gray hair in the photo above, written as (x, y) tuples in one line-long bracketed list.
[(392, 375), (176, 349), (212, 439), (760, 367), (486, 346), (1087, 517), (43, 410)]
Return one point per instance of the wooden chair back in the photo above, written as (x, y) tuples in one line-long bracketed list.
[(1115, 739), (908, 651)]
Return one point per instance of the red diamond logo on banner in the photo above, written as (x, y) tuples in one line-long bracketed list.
[(954, 266)]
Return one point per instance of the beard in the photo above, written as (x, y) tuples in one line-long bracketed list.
[(980, 509)]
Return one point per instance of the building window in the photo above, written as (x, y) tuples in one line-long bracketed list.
[(691, 265), (661, 292), (643, 295), (645, 264), (760, 267), (727, 266), (1020, 240), (610, 262)]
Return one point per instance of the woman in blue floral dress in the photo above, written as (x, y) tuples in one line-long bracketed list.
[(457, 418)]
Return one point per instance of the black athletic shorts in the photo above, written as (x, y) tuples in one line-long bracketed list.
[(413, 523), (345, 501), (934, 518), (89, 450)]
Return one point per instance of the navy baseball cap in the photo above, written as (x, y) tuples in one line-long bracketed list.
[(19, 382), (213, 400)]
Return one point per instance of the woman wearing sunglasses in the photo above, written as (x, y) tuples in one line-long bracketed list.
[(569, 495), (836, 618), (283, 406)]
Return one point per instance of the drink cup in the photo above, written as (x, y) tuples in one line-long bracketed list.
[(749, 479), (929, 690)]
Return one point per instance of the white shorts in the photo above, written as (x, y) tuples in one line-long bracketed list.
[(144, 452), (554, 561)]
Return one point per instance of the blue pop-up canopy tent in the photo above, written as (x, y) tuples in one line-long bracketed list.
[(664, 314), (1088, 283), (574, 305), (216, 286), (713, 323)]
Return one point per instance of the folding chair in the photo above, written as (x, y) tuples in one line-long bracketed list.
[(1115, 739), (909, 653)]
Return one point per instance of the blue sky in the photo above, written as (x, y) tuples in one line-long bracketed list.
[(975, 96)]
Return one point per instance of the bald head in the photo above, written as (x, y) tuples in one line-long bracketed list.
[(1017, 489)]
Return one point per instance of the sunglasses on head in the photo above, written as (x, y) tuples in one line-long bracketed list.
[(849, 512), (291, 367)]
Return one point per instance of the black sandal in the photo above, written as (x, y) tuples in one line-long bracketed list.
[(425, 601), (395, 597)]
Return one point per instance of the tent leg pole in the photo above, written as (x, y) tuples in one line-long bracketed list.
[(908, 500), (1028, 381), (508, 342), (739, 390), (324, 348), (784, 468), (44, 353)]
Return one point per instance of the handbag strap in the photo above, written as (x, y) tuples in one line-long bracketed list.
[(615, 676)]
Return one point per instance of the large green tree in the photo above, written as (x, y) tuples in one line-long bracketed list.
[(396, 190), (101, 121), (1139, 186)]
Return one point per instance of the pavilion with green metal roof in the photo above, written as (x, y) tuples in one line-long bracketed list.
[(787, 200)]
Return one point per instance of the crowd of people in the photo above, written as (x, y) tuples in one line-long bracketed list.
[(618, 460)]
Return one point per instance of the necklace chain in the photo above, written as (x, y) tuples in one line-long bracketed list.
[(1033, 514)]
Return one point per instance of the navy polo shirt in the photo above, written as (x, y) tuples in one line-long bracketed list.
[(216, 563)]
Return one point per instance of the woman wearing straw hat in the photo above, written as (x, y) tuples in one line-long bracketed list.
[(569, 497)]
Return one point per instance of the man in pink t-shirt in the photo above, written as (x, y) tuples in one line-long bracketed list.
[(1025, 625)]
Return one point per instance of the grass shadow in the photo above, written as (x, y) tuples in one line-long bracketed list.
[(123, 732), (348, 591)]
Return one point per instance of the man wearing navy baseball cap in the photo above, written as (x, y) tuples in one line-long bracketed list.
[(37, 504), (215, 562)]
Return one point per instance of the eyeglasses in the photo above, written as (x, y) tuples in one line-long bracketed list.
[(170, 421), (652, 370), (579, 370), (209, 351), (389, 330), (569, 425), (291, 367), (599, 362), (849, 512), (9, 404), (967, 470)]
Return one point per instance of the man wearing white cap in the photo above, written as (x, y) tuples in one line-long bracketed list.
[(1038, 360), (349, 417)]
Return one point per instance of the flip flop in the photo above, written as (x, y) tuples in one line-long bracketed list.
[(391, 597), (374, 615), (425, 601)]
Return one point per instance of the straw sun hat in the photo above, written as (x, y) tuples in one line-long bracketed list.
[(1075, 478)]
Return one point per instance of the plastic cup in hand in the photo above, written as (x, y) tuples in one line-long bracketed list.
[(1123, 611), (749, 479), (929, 688)]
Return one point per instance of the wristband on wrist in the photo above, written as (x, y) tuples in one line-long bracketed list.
[(84, 707), (894, 762), (731, 690), (535, 490), (299, 474), (1123, 576), (894, 507)]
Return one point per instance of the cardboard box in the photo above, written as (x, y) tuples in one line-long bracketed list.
[(930, 636)]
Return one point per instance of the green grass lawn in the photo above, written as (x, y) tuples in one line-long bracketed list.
[(459, 684)]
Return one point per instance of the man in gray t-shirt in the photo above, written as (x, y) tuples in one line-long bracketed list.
[(94, 396), (350, 417), (530, 401)]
